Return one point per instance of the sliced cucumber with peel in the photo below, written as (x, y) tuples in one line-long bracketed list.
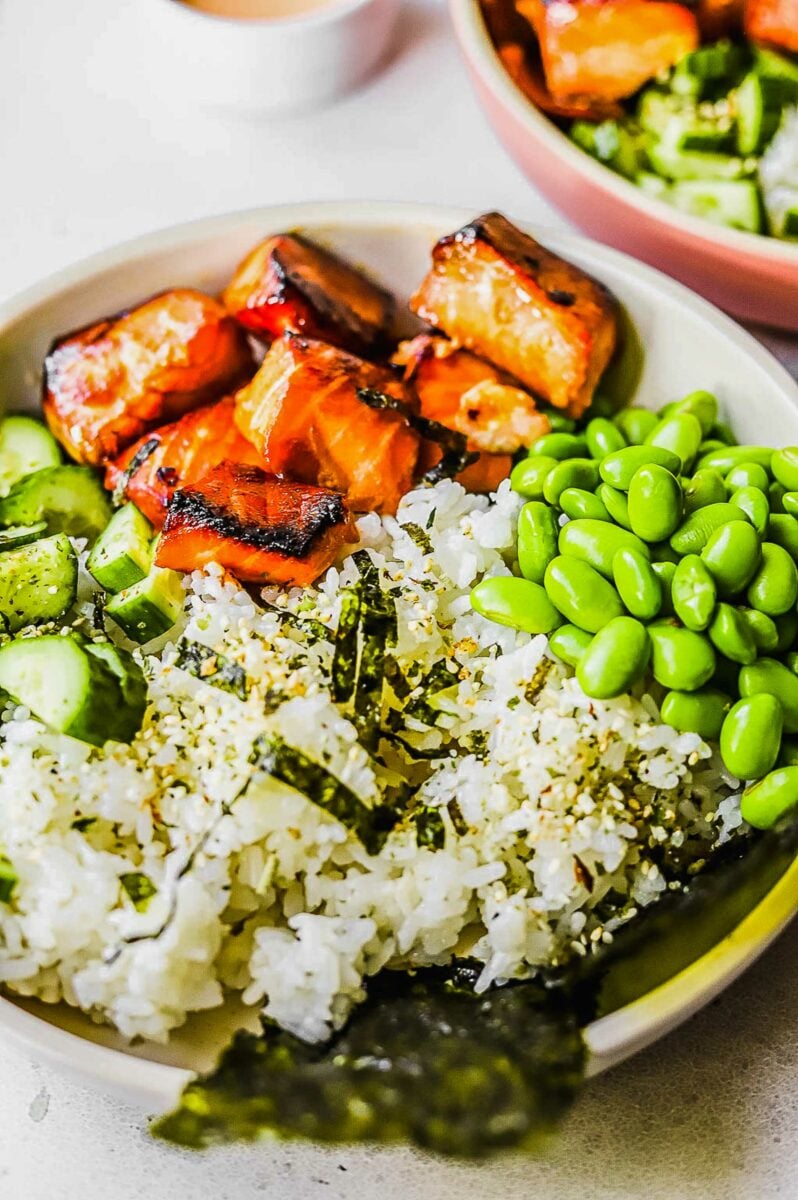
[(122, 554), (26, 446), (71, 688), (38, 582), (21, 535), (69, 499), (151, 607)]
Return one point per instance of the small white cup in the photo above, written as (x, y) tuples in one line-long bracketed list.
[(270, 65)]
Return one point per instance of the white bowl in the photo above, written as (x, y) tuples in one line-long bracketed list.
[(288, 63), (688, 344)]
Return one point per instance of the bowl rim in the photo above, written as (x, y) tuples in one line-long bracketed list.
[(329, 12), (610, 1039), (476, 42)]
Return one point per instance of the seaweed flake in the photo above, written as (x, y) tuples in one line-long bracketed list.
[(312, 629), (8, 879), (345, 656), (138, 460), (140, 889), (454, 446), (419, 536), (438, 679), (211, 667)]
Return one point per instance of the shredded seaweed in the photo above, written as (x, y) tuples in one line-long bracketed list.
[(211, 667), (312, 629), (296, 770), (455, 455), (345, 656), (438, 679), (139, 888), (427, 820), (395, 676), (138, 460), (419, 536), (366, 633), (424, 1060), (8, 879)]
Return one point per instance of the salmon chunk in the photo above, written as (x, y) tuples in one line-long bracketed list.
[(499, 293), (774, 22), (608, 49), (306, 412), (260, 528), (108, 384), (288, 284), (176, 455)]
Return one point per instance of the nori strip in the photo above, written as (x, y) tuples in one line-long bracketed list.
[(419, 536), (438, 679), (454, 446), (345, 656), (292, 767), (423, 1060), (138, 460), (211, 667), (430, 829), (396, 677), (366, 631), (315, 630), (8, 879), (139, 888)]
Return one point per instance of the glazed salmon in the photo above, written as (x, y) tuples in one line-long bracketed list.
[(260, 528), (289, 284), (719, 18), (108, 384), (176, 455), (305, 413), (499, 293), (774, 22), (527, 75), (607, 49), (469, 395)]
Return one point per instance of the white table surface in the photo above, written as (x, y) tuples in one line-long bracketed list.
[(94, 149)]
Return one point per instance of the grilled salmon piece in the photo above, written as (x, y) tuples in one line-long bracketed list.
[(288, 284), (304, 414), (469, 395), (108, 384), (260, 528), (176, 455), (498, 292), (607, 49), (526, 73), (774, 22), (719, 18)]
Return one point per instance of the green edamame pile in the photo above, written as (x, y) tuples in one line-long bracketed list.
[(651, 544)]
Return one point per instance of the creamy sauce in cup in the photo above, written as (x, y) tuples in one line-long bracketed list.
[(254, 10)]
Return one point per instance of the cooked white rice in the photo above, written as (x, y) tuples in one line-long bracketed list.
[(559, 810)]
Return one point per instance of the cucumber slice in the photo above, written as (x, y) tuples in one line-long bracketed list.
[(149, 608), (613, 143), (70, 688), (736, 204), (759, 104), (653, 185), (38, 582), (672, 163), (655, 110), (26, 445), (709, 70), (21, 535), (70, 499), (122, 555), (771, 65), (132, 685)]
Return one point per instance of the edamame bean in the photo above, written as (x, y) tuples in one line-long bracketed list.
[(732, 636), (784, 467), (681, 659), (694, 593), (726, 675), (705, 487), (581, 594), (751, 736), (701, 404), (508, 600), (774, 587), (783, 530), (603, 437), (636, 424), (528, 477), (753, 503), (776, 494), (574, 472), (597, 542), (731, 456), (787, 627), (681, 434), (792, 661), (665, 572), (577, 503), (559, 445), (619, 468), (664, 552), (769, 675), (700, 712), (763, 629), (569, 643), (709, 446), (637, 583), (788, 755), (790, 502), (693, 534), (616, 658), (764, 802), (655, 503), (558, 421), (615, 503), (732, 556), (746, 475), (537, 539), (724, 433)]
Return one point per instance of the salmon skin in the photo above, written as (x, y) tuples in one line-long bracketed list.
[(774, 22), (260, 528), (288, 284), (499, 293), (150, 471), (304, 414), (607, 49), (111, 382)]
